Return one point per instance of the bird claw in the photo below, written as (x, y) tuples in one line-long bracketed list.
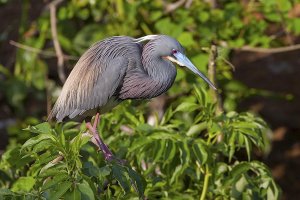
[(112, 158), (108, 156)]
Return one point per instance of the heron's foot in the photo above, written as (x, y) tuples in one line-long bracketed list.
[(99, 142), (108, 155), (112, 158)]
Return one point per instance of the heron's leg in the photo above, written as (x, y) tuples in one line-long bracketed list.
[(96, 120), (98, 141)]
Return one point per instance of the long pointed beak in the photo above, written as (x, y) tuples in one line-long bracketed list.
[(182, 60)]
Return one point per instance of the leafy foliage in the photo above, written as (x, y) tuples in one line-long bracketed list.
[(189, 153), (165, 160)]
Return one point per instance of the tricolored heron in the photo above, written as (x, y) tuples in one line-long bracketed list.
[(119, 68)]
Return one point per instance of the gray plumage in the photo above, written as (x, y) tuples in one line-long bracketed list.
[(116, 69)]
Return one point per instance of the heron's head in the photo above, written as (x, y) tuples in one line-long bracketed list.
[(170, 49)]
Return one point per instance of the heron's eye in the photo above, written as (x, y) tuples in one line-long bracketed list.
[(174, 51)]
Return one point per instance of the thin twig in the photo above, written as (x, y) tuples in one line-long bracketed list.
[(39, 51), (212, 65), (213, 3), (57, 159), (173, 6), (188, 3), (212, 76), (228, 63), (57, 47), (48, 96), (284, 25), (270, 50), (206, 181)]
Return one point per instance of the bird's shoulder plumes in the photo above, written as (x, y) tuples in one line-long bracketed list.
[(145, 38)]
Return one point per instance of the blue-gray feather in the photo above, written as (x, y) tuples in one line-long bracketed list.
[(116, 69)]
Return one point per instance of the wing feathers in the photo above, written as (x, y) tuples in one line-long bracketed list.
[(91, 91), (96, 76)]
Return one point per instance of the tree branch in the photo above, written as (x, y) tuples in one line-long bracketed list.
[(212, 76), (57, 47), (270, 50), (39, 51), (188, 3), (173, 6)]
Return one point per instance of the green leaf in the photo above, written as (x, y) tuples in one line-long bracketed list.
[(185, 152), (161, 148), (193, 130), (58, 169), (144, 128), (170, 152), (62, 188), (73, 195), (294, 25), (245, 125), (24, 184), (40, 128), (201, 95), (42, 145), (167, 116), (104, 171), (165, 135), (240, 169), (69, 133), (177, 172), (138, 143), (5, 192), (166, 26), (119, 174), (273, 192), (186, 38), (138, 181), (220, 169), (56, 180), (200, 152), (91, 170), (4, 176), (232, 144), (50, 164), (248, 147), (4, 71), (86, 191), (187, 107), (132, 118), (24, 161), (239, 187), (35, 140)]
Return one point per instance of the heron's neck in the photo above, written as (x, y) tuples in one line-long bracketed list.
[(159, 69), (156, 78)]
